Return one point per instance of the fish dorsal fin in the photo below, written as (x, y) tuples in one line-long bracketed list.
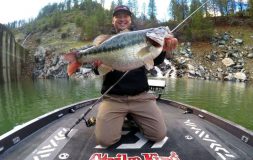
[(104, 69), (149, 63), (143, 52), (100, 39)]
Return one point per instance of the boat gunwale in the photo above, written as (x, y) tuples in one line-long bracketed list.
[(36, 124), (19, 133), (229, 126)]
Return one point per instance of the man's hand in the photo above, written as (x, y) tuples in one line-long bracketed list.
[(97, 63), (170, 44), (70, 57)]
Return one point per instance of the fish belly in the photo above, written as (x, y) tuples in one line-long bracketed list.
[(126, 58)]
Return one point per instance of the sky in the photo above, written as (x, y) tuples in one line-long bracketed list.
[(11, 10)]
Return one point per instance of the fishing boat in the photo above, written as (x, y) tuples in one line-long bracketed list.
[(193, 134)]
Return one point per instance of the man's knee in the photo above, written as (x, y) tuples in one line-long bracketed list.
[(106, 142), (157, 135)]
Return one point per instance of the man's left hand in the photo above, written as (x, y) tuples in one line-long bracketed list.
[(97, 63), (170, 44)]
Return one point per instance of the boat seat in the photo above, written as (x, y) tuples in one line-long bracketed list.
[(157, 86)]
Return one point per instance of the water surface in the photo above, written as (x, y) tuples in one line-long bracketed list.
[(25, 100), (230, 100)]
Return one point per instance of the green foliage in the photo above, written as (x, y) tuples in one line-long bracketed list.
[(200, 28), (48, 10), (75, 3), (250, 2), (133, 5), (64, 35), (173, 9), (120, 2), (56, 20), (178, 9), (38, 40), (79, 21), (91, 27)]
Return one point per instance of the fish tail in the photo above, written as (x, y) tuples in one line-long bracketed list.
[(72, 67), (73, 63)]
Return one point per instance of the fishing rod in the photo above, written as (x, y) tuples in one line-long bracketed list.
[(188, 17), (92, 120)]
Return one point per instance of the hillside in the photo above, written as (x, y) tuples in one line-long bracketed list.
[(203, 57), (244, 52)]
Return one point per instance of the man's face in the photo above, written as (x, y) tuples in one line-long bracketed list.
[(121, 21)]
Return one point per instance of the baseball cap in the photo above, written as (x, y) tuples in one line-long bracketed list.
[(122, 8)]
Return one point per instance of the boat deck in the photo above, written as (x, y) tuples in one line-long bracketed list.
[(189, 137)]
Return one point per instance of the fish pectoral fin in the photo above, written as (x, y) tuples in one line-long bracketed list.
[(143, 52), (104, 69), (100, 39), (149, 63)]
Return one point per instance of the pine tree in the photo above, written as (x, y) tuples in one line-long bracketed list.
[(178, 9), (68, 5), (113, 5), (56, 20), (120, 2), (152, 10), (91, 27), (184, 8), (129, 3), (240, 5), (143, 14), (174, 9), (135, 7), (227, 7), (198, 16), (232, 7), (102, 2), (250, 2), (75, 3), (200, 28)]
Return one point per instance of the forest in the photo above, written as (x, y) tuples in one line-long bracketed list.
[(93, 18)]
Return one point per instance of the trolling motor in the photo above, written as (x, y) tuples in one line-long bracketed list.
[(92, 121)]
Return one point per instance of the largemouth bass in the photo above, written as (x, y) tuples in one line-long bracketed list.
[(124, 51)]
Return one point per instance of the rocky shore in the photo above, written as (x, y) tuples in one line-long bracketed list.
[(226, 61)]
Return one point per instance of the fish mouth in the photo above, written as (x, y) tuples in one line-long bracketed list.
[(154, 42)]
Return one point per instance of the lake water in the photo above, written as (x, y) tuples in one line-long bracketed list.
[(25, 100)]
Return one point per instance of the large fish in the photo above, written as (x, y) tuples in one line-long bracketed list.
[(124, 51)]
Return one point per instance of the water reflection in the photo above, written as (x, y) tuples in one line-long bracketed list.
[(23, 101), (226, 99)]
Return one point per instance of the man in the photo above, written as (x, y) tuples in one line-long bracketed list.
[(130, 95)]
